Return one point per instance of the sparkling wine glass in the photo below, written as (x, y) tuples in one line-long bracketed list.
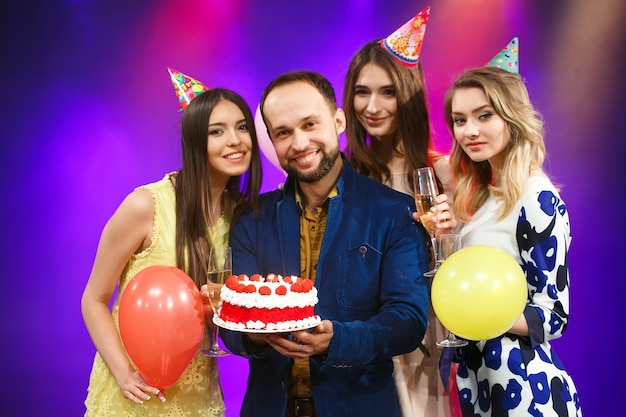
[(220, 268), (448, 244), (425, 189)]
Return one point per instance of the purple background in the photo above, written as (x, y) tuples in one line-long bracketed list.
[(88, 113)]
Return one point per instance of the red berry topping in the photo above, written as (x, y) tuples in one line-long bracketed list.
[(242, 277), (271, 278), (232, 282), (297, 287), (281, 290), (265, 290), (307, 284), (255, 277), (288, 279), (250, 289)]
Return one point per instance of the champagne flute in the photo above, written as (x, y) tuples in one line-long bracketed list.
[(426, 192), (448, 244), (220, 268)]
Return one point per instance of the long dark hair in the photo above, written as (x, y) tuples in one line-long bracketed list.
[(413, 132), (193, 197)]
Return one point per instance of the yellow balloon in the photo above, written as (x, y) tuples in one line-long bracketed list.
[(479, 292)]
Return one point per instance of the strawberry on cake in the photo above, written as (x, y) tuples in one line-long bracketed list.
[(271, 303)]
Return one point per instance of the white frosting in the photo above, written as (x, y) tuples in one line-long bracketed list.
[(272, 300), (270, 327)]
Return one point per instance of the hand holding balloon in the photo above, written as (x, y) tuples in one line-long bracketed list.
[(161, 322), (138, 391), (479, 292)]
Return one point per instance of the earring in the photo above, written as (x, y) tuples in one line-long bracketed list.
[(514, 135)]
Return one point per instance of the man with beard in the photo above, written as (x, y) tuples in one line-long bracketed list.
[(356, 239)]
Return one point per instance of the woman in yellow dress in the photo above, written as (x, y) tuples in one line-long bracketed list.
[(173, 222)]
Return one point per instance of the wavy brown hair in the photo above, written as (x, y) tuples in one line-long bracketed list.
[(193, 197)]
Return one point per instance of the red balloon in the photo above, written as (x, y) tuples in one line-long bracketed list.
[(161, 322)]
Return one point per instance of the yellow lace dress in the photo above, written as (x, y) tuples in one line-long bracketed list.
[(198, 392)]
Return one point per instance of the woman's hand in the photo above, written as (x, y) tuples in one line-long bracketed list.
[(442, 216), (137, 391), (206, 305)]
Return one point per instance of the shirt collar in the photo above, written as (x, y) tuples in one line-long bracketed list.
[(301, 203)]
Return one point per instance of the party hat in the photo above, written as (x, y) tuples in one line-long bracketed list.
[(405, 43), (187, 88), (507, 58)]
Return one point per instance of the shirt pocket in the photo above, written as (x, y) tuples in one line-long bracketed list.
[(359, 278)]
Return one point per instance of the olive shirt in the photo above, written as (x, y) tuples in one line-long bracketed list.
[(312, 227)]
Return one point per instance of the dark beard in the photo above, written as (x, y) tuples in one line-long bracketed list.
[(326, 164)]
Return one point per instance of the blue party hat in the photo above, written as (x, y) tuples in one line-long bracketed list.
[(507, 58)]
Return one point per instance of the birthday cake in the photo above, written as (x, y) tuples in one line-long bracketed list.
[(271, 303)]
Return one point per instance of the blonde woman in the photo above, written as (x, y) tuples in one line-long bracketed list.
[(508, 201)]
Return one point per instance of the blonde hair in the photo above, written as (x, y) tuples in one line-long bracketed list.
[(509, 98)]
